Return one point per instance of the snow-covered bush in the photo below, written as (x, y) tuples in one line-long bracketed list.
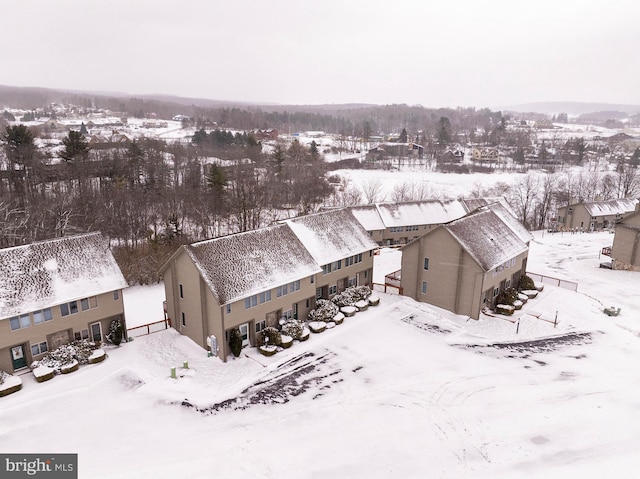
[(115, 332), (79, 351), (325, 311), (525, 282), (293, 328), (351, 296), (506, 296), (269, 336), (3, 376)]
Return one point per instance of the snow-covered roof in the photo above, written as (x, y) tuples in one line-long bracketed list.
[(420, 212), (611, 207), (500, 207), (243, 264), (48, 273), (369, 217), (487, 238), (332, 235)]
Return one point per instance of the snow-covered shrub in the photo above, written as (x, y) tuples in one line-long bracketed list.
[(351, 296), (269, 336), (325, 311), (115, 332), (525, 282), (505, 309), (293, 328), (79, 351), (235, 342), (3, 376), (506, 296)]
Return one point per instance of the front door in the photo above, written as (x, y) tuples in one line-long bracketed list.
[(96, 332), (18, 358), (244, 332)]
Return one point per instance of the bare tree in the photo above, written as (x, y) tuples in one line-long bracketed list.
[(523, 197), (372, 190)]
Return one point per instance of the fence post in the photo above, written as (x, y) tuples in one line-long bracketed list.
[(173, 372)]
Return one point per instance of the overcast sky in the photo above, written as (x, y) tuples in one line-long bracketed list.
[(443, 53)]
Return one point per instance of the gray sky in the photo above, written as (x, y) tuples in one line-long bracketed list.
[(434, 53)]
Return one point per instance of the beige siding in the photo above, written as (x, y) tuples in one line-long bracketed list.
[(107, 309), (626, 245), (362, 272)]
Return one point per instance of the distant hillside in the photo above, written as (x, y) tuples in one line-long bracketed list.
[(572, 107)]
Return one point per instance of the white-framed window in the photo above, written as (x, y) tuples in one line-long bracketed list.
[(288, 314), (352, 282), (282, 290), (333, 289), (42, 315), (39, 348), (251, 301), (69, 308), (82, 334), (265, 296), (88, 303), (426, 263), (260, 325), (116, 295), (326, 268), (294, 286), (20, 322), (424, 287)]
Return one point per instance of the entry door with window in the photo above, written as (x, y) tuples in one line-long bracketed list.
[(244, 332), (18, 358), (96, 332)]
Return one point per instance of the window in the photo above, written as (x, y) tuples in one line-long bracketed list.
[(260, 325), (251, 301), (365, 273), (69, 308), (333, 289), (39, 348), (96, 331), (424, 287), (181, 292), (266, 296), (570, 211), (184, 320), (20, 322), (84, 304), (313, 278), (295, 286), (352, 282), (84, 334), (339, 264), (288, 314), (326, 269), (247, 303), (42, 316), (282, 290), (228, 308), (116, 295), (308, 303), (426, 263)]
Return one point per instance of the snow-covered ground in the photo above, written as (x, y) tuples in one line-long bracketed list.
[(400, 390)]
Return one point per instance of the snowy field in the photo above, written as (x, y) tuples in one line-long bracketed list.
[(400, 390)]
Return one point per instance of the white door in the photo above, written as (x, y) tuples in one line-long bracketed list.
[(96, 332), (244, 332)]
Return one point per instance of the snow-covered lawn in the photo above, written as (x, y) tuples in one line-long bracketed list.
[(399, 390)]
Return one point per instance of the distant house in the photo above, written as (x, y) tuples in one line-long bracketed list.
[(594, 216), (53, 292), (251, 280), (625, 252), (392, 224), (462, 266)]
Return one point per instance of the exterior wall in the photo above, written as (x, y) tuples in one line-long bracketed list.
[(59, 330), (582, 219), (404, 234), (625, 251), (455, 282), (362, 272)]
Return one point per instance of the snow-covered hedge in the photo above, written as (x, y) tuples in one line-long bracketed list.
[(325, 311), (269, 336), (79, 351), (351, 296), (9, 384), (293, 328)]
